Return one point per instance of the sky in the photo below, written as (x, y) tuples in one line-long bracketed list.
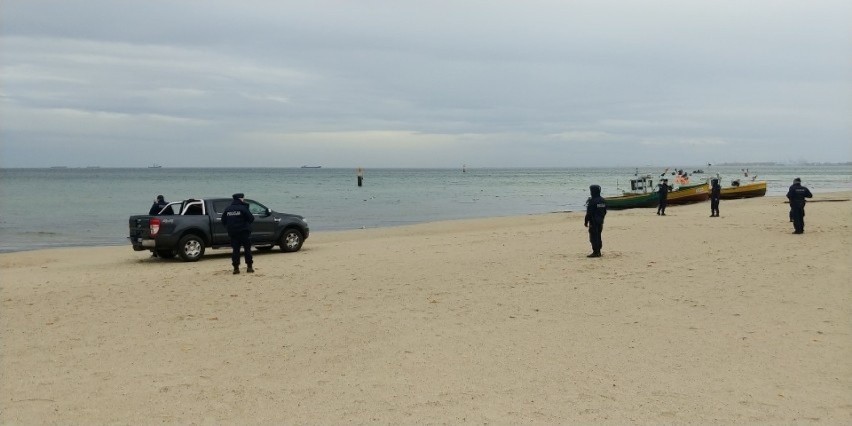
[(432, 83)]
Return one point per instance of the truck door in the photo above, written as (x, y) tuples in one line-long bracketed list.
[(220, 234), (263, 227)]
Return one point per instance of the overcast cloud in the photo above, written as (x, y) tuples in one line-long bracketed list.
[(383, 83)]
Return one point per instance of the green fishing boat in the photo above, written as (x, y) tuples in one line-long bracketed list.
[(640, 195), (632, 201)]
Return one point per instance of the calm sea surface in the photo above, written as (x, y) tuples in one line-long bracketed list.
[(58, 207)]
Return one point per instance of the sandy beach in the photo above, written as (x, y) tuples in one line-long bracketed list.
[(685, 319)]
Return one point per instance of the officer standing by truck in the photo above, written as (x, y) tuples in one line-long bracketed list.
[(237, 220), (595, 212), (797, 194), (158, 205)]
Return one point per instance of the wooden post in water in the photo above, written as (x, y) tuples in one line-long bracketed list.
[(360, 173)]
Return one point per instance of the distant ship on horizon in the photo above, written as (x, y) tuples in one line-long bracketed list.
[(311, 167), (155, 166)]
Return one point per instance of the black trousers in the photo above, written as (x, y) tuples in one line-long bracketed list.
[(661, 209), (798, 215), (240, 239), (714, 206), (595, 236)]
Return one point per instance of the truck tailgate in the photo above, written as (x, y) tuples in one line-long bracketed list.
[(139, 227)]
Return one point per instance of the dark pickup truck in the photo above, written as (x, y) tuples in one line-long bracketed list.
[(186, 228)]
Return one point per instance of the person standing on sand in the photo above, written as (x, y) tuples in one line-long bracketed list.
[(237, 220), (595, 212), (715, 194), (797, 194), (663, 191)]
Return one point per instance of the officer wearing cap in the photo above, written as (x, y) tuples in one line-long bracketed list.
[(595, 212), (797, 194), (237, 220), (158, 205)]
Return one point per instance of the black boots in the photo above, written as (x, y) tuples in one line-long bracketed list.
[(237, 270), (595, 254)]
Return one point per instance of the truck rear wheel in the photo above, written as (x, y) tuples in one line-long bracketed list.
[(291, 240), (190, 248)]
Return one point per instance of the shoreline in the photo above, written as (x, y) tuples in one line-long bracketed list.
[(834, 196), (329, 199), (685, 319)]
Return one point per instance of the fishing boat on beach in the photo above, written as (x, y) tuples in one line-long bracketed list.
[(640, 195), (687, 194), (743, 190), (632, 201)]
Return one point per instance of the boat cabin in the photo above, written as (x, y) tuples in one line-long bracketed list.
[(641, 184)]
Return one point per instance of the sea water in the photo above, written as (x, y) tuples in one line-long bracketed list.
[(58, 207)]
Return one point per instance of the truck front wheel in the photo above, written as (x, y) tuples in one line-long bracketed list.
[(191, 248), (291, 240)]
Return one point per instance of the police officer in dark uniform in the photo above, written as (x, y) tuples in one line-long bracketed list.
[(155, 209), (663, 191), (237, 220), (715, 194), (797, 194), (595, 212), (158, 205)]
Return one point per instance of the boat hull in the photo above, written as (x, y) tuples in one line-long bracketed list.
[(748, 190), (632, 201), (689, 194)]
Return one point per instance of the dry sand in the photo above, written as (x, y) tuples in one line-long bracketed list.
[(686, 319)]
